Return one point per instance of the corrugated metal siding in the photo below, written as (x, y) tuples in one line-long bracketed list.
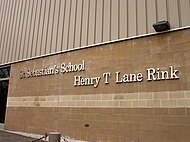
[(30, 28)]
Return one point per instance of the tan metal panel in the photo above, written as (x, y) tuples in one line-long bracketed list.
[(78, 23), (161, 10), (132, 23), (92, 21), (15, 37), (40, 27), (66, 25), (141, 17), (36, 28), (10, 32), (184, 12), (123, 23), (84, 30), (106, 20), (2, 30), (99, 21), (114, 19), (20, 31), (7, 31), (45, 26), (23, 39), (61, 25), (50, 27), (72, 25), (55, 26), (173, 13), (12, 45), (151, 15)]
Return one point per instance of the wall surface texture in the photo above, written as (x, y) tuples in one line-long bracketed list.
[(31, 28), (149, 107)]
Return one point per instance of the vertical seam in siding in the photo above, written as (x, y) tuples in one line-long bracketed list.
[(3, 33), (30, 28), (81, 23), (43, 27), (14, 24), (11, 29), (75, 24), (34, 28), (47, 31), (102, 28), (52, 25), (14, 37), (127, 19), (136, 17), (58, 25), (156, 6), (1, 9), (7, 32), (72, 24), (69, 25), (5, 12), (26, 30), (38, 27), (118, 19), (1, 24), (179, 12), (88, 22), (63, 25), (17, 48), (110, 20), (22, 30), (146, 13), (95, 21), (102, 21), (167, 10)]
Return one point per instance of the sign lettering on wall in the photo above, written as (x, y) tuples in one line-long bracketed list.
[(153, 74)]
